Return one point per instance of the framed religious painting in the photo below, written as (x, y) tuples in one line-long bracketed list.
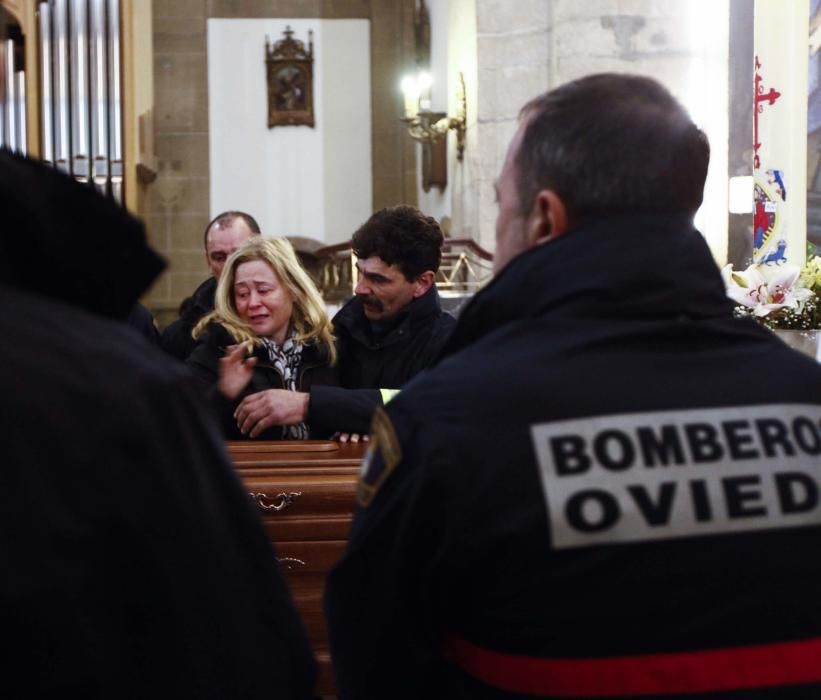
[(289, 68)]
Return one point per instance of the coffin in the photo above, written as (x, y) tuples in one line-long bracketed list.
[(305, 493)]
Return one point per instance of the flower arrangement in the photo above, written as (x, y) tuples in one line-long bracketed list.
[(779, 297)]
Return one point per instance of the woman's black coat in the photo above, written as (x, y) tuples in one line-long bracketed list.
[(204, 362)]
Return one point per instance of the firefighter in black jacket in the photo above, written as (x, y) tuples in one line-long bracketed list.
[(609, 487)]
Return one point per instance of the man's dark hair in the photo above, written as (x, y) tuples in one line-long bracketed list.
[(611, 142), (401, 236), (228, 217)]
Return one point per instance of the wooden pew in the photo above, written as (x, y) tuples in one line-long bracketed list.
[(305, 493)]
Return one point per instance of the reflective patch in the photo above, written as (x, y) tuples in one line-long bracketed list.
[(387, 395), (381, 458), (648, 476)]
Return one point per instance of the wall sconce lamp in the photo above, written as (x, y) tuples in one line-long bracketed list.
[(429, 127)]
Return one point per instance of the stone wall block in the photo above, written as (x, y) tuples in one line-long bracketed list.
[(264, 8), (663, 35), (182, 9), (502, 93), (156, 226), (496, 137), (487, 152), (173, 34), (634, 38), (192, 261), (156, 233), (186, 234), (187, 153), (576, 9), (500, 16), (175, 70), (386, 96), (530, 49), (179, 110), (178, 195), (346, 9), (387, 190), (564, 10), (584, 37)]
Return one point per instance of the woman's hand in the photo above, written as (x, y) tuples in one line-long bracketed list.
[(235, 371), (260, 411)]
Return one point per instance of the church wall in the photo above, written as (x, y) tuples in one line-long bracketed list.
[(296, 180), (545, 43)]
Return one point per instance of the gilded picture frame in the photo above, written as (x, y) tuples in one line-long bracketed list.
[(289, 68)]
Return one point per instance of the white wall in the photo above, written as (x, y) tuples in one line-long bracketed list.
[(295, 180)]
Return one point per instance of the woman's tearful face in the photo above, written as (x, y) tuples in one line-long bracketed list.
[(261, 301)]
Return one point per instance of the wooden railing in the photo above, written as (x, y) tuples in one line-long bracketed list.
[(465, 268)]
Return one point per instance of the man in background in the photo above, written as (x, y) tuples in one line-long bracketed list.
[(133, 564), (603, 489), (224, 234), (392, 329)]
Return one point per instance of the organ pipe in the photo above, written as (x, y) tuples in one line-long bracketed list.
[(81, 90)]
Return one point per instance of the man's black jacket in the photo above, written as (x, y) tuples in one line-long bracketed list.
[(367, 364), (176, 338)]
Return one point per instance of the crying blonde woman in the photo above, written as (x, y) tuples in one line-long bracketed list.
[(269, 330)]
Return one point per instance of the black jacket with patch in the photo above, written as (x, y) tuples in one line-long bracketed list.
[(605, 467), (367, 364)]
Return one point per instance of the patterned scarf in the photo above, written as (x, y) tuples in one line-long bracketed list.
[(286, 361)]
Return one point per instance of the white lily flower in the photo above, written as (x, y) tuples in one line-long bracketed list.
[(766, 289)]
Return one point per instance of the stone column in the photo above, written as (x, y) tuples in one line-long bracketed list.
[(545, 43)]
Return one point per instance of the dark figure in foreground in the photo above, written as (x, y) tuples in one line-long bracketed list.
[(133, 565), (223, 235), (390, 331), (602, 489)]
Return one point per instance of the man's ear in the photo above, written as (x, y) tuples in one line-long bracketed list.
[(548, 218), (423, 283)]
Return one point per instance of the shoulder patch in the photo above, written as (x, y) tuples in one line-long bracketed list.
[(383, 454)]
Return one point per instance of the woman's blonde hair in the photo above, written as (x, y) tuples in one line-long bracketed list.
[(309, 318)]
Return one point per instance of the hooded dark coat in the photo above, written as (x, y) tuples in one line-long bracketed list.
[(133, 564)]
